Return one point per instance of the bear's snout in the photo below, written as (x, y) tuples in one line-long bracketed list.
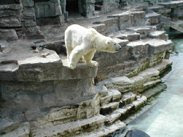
[(118, 47)]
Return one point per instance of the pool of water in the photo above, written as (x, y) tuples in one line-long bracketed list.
[(165, 118), (178, 45)]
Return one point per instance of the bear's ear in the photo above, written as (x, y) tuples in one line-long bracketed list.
[(108, 42)]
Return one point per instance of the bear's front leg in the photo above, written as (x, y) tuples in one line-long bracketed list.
[(75, 56), (88, 58)]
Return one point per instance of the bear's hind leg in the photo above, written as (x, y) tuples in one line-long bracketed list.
[(88, 58), (68, 43), (75, 56), (69, 49), (82, 60)]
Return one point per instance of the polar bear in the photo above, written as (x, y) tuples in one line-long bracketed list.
[(82, 43)]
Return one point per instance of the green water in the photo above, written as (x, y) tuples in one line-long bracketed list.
[(165, 118), (178, 45)]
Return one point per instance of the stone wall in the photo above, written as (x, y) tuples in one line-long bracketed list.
[(105, 6), (10, 17), (22, 18)]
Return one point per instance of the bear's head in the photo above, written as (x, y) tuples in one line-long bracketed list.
[(111, 46)]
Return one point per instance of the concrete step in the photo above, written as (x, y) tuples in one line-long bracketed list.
[(109, 108), (116, 95), (127, 99), (151, 84), (121, 42), (113, 95), (164, 66), (129, 109), (143, 30), (129, 35), (158, 45), (158, 35), (119, 114), (106, 130), (105, 100), (152, 14), (129, 18), (139, 102), (113, 117), (146, 47), (138, 49), (152, 18), (155, 90), (69, 129), (123, 83), (125, 111)]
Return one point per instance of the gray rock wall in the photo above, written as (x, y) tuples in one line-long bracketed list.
[(24, 17)]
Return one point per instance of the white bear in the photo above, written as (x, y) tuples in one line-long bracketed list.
[(83, 42)]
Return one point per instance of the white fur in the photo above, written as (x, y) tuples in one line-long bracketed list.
[(83, 42)]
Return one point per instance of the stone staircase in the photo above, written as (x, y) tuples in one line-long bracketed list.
[(63, 123), (69, 129), (158, 34), (106, 130), (120, 109), (119, 97), (124, 96)]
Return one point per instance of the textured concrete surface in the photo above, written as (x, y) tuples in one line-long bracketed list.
[(164, 119)]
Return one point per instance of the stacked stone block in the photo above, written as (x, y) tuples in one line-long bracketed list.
[(10, 19), (29, 20)]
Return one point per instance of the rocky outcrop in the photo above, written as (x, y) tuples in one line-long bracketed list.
[(143, 45), (32, 80), (39, 96)]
